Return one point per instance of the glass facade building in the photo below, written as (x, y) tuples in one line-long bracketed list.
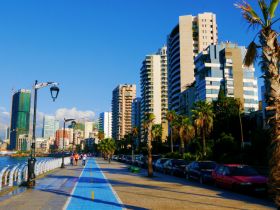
[(20, 117)]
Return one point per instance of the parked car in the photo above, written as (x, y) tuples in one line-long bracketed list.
[(128, 159), (114, 157), (159, 164), (154, 160), (174, 167), (200, 170), (120, 158), (142, 162), (239, 177)]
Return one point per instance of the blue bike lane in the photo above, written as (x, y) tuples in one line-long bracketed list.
[(93, 191)]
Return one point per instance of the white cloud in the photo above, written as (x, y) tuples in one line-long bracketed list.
[(75, 114), (4, 121)]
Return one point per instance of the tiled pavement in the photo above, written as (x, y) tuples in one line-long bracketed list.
[(93, 191)]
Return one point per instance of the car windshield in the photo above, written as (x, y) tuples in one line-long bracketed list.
[(207, 165), (243, 171)]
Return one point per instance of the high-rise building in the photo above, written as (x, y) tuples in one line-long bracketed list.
[(153, 80), (20, 117), (190, 36), (50, 126), (136, 117), (221, 66), (105, 124), (123, 96), (88, 129)]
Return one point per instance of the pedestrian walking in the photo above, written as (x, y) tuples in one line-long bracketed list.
[(84, 159), (72, 159), (76, 157)]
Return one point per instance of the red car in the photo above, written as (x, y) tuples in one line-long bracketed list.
[(239, 177)]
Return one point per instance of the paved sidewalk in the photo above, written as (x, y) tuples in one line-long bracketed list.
[(50, 193), (137, 191), (93, 191)]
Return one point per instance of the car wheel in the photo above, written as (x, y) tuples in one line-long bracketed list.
[(235, 188), (201, 180), (215, 183)]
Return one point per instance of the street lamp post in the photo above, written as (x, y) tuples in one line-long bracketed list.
[(31, 161), (73, 124)]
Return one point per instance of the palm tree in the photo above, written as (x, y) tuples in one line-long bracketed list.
[(170, 116), (203, 120), (149, 120), (134, 134), (157, 132), (186, 131), (101, 135), (269, 60), (107, 147), (157, 136)]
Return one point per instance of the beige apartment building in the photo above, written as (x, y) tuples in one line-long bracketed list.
[(153, 81), (192, 35), (123, 96)]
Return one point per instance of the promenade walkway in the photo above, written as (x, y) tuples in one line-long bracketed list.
[(78, 187), (93, 191)]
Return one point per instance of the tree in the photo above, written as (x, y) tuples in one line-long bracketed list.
[(156, 136), (186, 131), (148, 124), (171, 115), (156, 132), (101, 135), (134, 134), (107, 147), (203, 120), (266, 47)]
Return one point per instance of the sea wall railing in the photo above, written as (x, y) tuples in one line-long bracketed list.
[(15, 175)]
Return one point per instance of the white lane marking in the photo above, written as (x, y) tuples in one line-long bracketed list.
[(73, 190), (110, 186)]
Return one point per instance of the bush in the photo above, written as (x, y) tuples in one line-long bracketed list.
[(192, 157), (175, 155)]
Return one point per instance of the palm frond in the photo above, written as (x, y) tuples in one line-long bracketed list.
[(272, 7), (251, 54), (264, 10), (249, 13)]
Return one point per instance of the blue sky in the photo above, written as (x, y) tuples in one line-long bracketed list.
[(91, 46)]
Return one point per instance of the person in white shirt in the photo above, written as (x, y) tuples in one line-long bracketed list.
[(84, 159)]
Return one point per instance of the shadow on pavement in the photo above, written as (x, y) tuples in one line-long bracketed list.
[(58, 192)]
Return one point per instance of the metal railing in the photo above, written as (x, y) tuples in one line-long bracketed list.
[(15, 175)]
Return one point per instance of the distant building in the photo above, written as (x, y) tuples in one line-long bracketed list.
[(222, 66), (153, 80), (123, 96), (42, 145), (136, 117), (50, 126), (20, 117), (24, 142), (105, 124), (59, 138), (88, 129), (190, 36)]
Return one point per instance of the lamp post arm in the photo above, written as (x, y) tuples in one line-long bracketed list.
[(44, 84)]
